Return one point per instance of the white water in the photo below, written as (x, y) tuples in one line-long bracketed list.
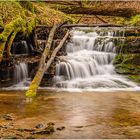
[(21, 48), (88, 64), (21, 79)]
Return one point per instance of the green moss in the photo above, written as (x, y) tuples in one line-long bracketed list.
[(30, 25), (118, 59), (120, 20), (48, 16), (135, 78), (10, 10), (3, 38), (27, 5), (127, 64), (135, 20), (1, 22), (124, 69)]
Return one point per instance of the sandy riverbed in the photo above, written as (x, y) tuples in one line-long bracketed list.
[(72, 115)]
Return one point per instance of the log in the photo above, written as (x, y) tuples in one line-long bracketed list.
[(44, 66), (91, 25), (10, 44), (37, 79), (100, 19), (84, 25), (56, 50), (120, 9)]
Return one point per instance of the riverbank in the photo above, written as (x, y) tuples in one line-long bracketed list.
[(70, 115)]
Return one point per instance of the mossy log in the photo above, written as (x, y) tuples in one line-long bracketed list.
[(127, 63), (2, 46), (3, 38), (13, 26), (37, 79), (84, 25), (44, 66), (56, 50), (10, 44), (92, 10)]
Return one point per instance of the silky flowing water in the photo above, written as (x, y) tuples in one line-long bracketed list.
[(88, 63)]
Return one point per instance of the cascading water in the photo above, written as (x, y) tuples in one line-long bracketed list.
[(20, 72), (20, 47), (88, 63), (21, 79)]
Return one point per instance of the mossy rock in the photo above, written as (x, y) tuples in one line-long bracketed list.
[(131, 45), (118, 59), (135, 78), (133, 59), (126, 69), (127, 63)]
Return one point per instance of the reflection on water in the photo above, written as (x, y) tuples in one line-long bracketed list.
[(85, 115)]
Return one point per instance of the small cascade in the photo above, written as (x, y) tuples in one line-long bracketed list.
[(88, 63), (20, 72), (20, 47)]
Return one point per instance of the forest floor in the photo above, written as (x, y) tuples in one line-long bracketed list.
[(70, 115)]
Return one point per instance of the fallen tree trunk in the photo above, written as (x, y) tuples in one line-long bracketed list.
[(42, 68), (126, 12), (56, 50), (120, 9), (92, 25), (100, 19), (84, 25), (37, 79)]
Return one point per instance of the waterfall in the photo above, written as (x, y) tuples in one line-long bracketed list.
[(20, 72), (20, 47), (88, 63)]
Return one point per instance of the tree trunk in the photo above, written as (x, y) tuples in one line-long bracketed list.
[(42, 68), (2, 46), (86, 25), (56, 50), (10, 44), (122, 12), (37, 79), (91, 25), (104, 8)]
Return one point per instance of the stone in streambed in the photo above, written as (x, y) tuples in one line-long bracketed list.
[(60, 128), (40, 125), (8, 117), (48, 130)]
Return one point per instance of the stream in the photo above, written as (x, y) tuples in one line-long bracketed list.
[(88, 98), (82, 115)]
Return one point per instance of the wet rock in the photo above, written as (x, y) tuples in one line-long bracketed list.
[(79, 126), (60, 128), (40, 125), (3, 127), (10, 137), (50, 123), (20, 135), (30, 137), (25, 129), (8, 117), (48, 130), (50, 127)]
